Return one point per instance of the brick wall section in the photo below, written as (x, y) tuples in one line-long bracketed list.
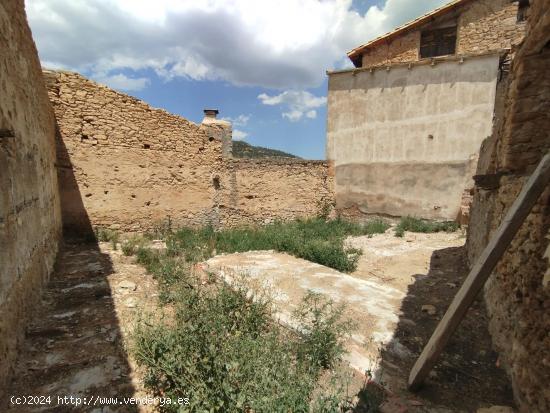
[(127, 166), (518, 292), (482, 26), (30, 220)]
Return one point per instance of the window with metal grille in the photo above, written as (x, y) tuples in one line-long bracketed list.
[(438, 42)]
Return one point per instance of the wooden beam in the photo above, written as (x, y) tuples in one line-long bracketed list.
[(483, 267)]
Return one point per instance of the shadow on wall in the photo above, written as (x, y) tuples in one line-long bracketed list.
[(74, 344), (466, 376), (76, 222)]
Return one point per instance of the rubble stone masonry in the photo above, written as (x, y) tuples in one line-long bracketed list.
[(518, 292), (482, 26), (30, 220), (125, 165)]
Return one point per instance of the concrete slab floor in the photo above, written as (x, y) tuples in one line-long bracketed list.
[(397, 295), (373, 294)]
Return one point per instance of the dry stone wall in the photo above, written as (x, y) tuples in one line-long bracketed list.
[(128, 166), (518, 291), (482, 26), (30, 220)]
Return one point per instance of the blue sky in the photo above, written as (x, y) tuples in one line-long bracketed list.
[(261, 63)]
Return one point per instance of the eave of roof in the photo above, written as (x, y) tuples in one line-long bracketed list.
[(358, 51)]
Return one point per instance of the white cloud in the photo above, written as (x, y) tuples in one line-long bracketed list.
[(239, 135), (241, 120), (123, 82), (312, 114), (275, 44), (297, 102)]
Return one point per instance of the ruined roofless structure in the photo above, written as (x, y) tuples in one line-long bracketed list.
[(405, 126)]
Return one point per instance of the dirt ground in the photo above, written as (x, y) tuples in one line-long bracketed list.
[(430, 268), (77, 343)]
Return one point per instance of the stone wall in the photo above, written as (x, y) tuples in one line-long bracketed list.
[(518, 291), (402, 49), (125, 165), (128, 166), (30, 220), (482, 26), (405, 140), (486, 25), (264, 190)]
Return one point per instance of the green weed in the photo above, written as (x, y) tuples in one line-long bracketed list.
[(224, 354), (413, 224), (313, 239)]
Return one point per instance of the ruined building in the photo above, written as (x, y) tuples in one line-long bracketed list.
[(127, 166), (518, 293), (405, 131), (405, 126), (30, 218)]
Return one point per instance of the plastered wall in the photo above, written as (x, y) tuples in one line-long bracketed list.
[(482, 26), (404, 141), (30, 221), (127, 166), (518, 291)]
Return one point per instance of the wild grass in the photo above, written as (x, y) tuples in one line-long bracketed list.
[(225, 354), (413, 224), (313, 239), (221, 349), (131, 245), (107, 235)]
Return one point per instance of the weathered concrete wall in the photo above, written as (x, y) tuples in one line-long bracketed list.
[(264, 190), (405, 141), (518, 292), (482, 26), (127, 166), (30, 221)]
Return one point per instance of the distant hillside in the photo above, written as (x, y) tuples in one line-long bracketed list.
[(244, 150)]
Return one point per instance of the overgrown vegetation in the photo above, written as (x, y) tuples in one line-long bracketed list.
[(131, 245), (220, 348), (313, 239), (413, 224), (223, 352)]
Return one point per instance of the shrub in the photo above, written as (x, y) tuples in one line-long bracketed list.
[(225, 355), (413, 224), (313, 239), (323, 330)]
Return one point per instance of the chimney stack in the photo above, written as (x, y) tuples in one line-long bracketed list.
[(211, 113)]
